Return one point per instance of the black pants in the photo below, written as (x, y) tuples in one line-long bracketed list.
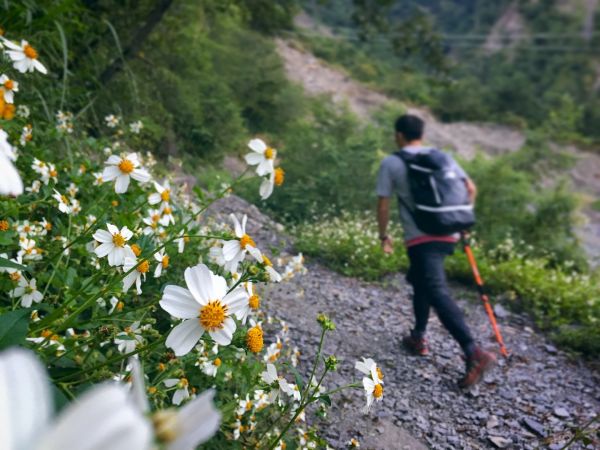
[(428, 279)]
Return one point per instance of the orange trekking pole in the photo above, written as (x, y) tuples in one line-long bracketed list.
[(482, 295)]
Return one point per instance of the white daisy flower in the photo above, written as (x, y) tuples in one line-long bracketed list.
[(211, 368), (136, 275), (205, 306), (373, 383), (10, 180), (24, 57), (23, 111), (35, 187), (98, 180), (163, 262), (183, 428), (244, 406), (136, 127), (111, 121), (113, 244), (261, 156), (167, 217), (29, 249), (274, 276), (27, 292), (182, 393), (162, 194), (122, 169), (63, 202), (152, 222), (8, 88), (27, 396), (26, 135), (234, 251), (128, 340)]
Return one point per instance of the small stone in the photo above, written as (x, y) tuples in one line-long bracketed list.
[(561, 412), (500, 311), (534, 426), (499, 442), (492, 422), (551, 349)]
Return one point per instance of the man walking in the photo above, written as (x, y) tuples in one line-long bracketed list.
[(426, 253)]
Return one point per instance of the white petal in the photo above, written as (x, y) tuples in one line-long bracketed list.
[(140, 175), (265, 167), (225, 334), (266, 188), (231, 249), (180, 395), (129, 280), (10, 180), (236, 300), (184, 336), (257, 145), (138, 385), (126, 233), (170, 382), (102, 418), (114, 160), (112, 229), (122, 184), (180, 303), (103, 236), (219, 287), (110, 173), (154, 198), (197, 421), (26, 401), (39, 66), (199, 282), (254, 158), (239, 231)]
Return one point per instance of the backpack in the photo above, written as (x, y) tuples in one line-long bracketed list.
[(441, 198)]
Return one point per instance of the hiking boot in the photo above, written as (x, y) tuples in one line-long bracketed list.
[(416, 346), (478, 364)]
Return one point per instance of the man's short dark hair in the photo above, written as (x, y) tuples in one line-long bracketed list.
[(411, 127)]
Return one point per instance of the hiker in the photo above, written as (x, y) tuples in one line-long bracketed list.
[(427, 250)]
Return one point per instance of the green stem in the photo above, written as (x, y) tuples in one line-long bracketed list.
[(316, 363)]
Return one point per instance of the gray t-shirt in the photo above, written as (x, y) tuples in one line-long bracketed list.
[(392, 180)]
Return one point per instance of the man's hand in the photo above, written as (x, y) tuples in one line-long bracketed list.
[(387, 245)]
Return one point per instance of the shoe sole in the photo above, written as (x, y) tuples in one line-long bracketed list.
[(491, 363)]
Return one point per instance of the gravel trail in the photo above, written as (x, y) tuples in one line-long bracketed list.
[(526, 402)]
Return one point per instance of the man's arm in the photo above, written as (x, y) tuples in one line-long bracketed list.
[(471, 189), (383, 218)]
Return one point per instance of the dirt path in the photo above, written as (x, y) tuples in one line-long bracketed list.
[(524, 403)]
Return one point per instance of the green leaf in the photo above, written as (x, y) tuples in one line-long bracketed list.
[(11, 265), (13, 327), (325, 399), (7, 237)]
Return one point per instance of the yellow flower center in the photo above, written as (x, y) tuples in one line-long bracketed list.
[(118, 240), (269, 153), (4, 225), (254, 339), (161, 367), (213, 315), (15, 276), (166, 425), (246, 240), (152, 390), (254, 301), (48, 226), (46, 333), (120, 306), (143, 267), (126, 166), (115, 203), (267, 261), (379, 373), (217, 362), (165, 261), (167, 211), (248, 406), (9, 85), (183, 382), (378, 391), (137, 251), (155, 217), (9, 112), (279, 176), (30, 52), (165, 195), (64, 199)]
